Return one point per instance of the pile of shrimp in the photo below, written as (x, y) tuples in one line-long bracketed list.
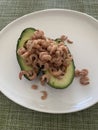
[(46, 54)]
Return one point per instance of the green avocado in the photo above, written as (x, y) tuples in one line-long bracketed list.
[(25, 35), (66, 79), (53, 82)]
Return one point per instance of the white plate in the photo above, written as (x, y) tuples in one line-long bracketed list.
[(83, 30)]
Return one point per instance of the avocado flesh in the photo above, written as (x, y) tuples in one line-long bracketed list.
[(66, 79)]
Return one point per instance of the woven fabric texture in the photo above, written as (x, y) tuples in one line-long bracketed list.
[(15, 117)]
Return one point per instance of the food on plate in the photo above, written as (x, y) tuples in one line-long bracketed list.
[(34, 86), (44, 96), (36, 53), (83, 75)]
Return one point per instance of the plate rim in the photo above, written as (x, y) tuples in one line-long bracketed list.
[(47, 10), (37, 12)]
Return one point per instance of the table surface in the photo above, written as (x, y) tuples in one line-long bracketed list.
[(15, 117)]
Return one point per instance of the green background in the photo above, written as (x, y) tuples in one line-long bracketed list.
[(15, 117)]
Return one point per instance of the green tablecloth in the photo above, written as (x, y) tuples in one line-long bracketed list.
[(15, 117)]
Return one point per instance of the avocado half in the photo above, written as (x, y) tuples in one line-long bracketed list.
[(53, 82)]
